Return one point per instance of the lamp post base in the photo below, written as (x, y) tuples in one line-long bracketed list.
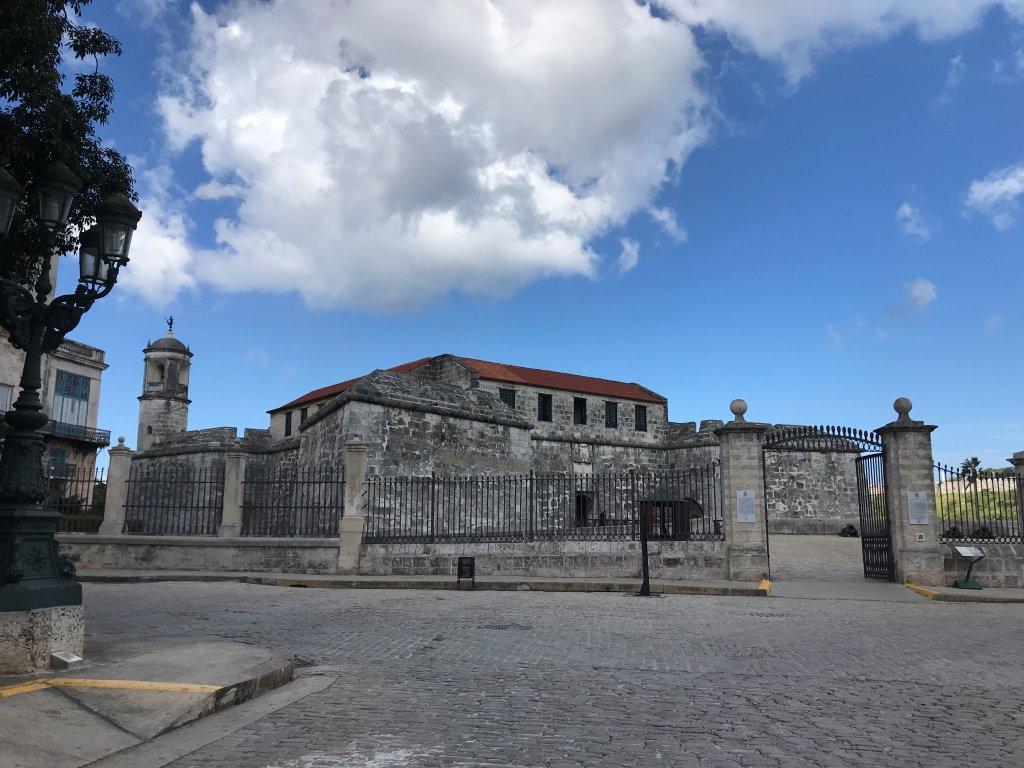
[(33, 575), (27, 638)]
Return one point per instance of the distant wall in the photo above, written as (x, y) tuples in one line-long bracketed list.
[(579, 559), (808, 492), (406, 442)]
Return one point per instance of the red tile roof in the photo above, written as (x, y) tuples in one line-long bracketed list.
[(509, 374), (568, 382)]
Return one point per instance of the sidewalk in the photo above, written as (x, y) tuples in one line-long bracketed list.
[(987, 595), (126, 692), (503, 583)]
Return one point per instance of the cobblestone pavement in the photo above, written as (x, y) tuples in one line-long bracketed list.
[(550, 679), (821, 558)]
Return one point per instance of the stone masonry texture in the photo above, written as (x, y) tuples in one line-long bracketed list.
[(425, 679)]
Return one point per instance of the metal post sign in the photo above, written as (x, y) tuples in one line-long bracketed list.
[(746, 511)]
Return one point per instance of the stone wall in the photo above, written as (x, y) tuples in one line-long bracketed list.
[(579, 559), (416, 428), (201, 553), (811, 493), (561, 424)]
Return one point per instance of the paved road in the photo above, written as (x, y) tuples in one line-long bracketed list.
[(534, 679), (820, 558)]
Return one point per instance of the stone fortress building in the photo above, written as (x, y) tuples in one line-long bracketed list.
[(458, 416)]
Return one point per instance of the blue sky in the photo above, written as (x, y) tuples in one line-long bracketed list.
[(821, 249)]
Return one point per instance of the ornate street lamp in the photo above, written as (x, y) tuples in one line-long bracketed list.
[(32, 574)]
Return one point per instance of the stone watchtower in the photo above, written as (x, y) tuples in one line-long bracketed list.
[(163, 404)]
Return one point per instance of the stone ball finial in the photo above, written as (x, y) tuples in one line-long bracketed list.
[(738, 408), (120, 442), (902, 407)]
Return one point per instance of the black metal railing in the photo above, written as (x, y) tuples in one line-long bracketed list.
[(77, 432), (290, 501), (174, 500), (680, 505), (979, 507), (78, 494)]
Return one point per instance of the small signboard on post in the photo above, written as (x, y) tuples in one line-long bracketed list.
[(467, 572)]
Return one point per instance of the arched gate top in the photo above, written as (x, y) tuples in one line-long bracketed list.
[(822, 439)]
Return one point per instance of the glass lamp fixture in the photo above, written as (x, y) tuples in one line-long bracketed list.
[(94, 270), (57, 189), (10, 194), (117, 219)]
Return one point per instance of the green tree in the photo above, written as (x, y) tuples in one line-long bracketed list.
[(42, 118), (970, 469)]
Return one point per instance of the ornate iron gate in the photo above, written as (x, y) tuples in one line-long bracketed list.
[(876, 539), (875, 535)]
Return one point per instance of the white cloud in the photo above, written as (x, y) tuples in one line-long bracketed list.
[(954, 78), (142, 11), (997, 195), (834, 337), (797, 33), (630, 255), (474, 147), (666, 219), (256, 355), (912, 222), (921, 293), (161, 261)]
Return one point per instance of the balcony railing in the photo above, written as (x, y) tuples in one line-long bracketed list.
[(100, 437)]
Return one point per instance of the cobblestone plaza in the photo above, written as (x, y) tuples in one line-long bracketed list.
[(543, 679)]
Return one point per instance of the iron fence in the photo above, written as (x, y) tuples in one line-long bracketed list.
[(289, 501), (174, 500), (78, 494), (680, 504), (978, 507)]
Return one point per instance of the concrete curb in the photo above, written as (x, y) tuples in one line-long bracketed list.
[(960, 595), (138, 691), (266, 677), (437, 583)]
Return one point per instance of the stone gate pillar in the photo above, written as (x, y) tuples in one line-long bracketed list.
[(117, 489), (746, 537), (353, 521), (915, 527), (234, 494)]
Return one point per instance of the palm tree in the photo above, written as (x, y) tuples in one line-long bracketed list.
[(970, 469)]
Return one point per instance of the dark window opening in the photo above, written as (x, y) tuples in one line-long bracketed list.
[(584, 508), (149, 430), (543, 407), (302, 415), (579, 410), (641, 418), (508, 397), (611, 413), (288, 424)]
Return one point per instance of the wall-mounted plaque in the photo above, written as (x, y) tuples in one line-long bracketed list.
[(746, 511), (917, 508)]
